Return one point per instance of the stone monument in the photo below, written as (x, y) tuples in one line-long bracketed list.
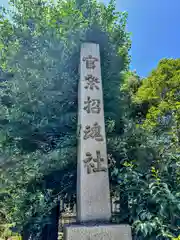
[(93, 193)]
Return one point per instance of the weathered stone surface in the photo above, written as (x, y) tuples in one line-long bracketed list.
[(93, 194), (98, 232), (93, 197)]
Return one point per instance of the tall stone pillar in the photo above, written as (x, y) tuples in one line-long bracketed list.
[(93, 202), (93, 194)]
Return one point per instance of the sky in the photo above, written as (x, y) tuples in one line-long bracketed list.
[(155, 29)]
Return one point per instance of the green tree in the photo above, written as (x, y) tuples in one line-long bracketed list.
[(149, 176), (39, 103), (161, 92)]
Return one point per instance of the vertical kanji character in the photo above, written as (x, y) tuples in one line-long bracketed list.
[(90, 62), (94, 164), (91, 82), (93, 132), (92, 105)]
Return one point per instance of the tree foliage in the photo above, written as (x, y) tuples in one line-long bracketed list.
[(149, 180), (40, 49)]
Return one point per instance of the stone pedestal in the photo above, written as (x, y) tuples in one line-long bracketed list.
[(98, 232)]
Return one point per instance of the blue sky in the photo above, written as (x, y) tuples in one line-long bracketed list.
[(155, 28)]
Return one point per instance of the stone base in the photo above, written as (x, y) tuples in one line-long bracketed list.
[(97, 232)]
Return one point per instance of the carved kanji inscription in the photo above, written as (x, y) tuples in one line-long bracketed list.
[(94, 164), (93, 132), (90, 61), (91, 82), (92, 105), (100, 236)]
